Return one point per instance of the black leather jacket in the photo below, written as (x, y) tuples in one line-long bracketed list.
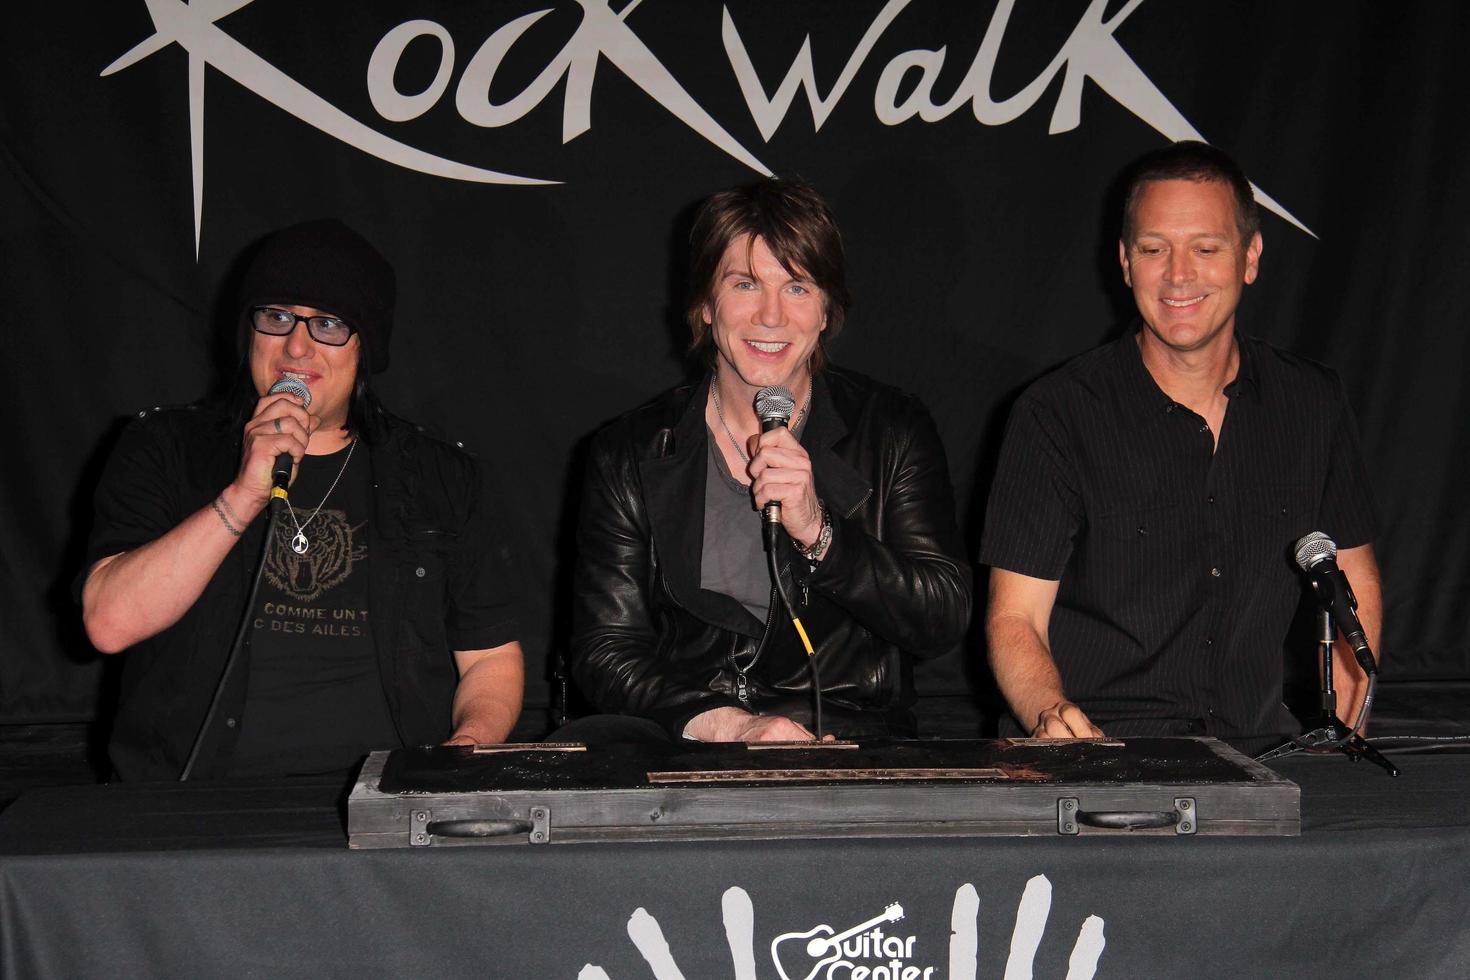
[(894, 584)]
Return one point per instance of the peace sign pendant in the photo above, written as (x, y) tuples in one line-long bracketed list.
[(298, 543)]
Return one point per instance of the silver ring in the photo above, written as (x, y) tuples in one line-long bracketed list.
[(278, 426)]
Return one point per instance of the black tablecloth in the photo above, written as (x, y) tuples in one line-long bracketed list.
[(257, 880)]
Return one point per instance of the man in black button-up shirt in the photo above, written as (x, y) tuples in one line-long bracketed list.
[(386, 619), (1141, 524)]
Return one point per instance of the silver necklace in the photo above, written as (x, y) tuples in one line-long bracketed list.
[(299, 544), (714, 391)]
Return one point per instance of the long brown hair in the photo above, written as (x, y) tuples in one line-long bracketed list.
[(797, 226)]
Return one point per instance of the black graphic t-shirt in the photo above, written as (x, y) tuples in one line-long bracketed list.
[(315, 700)]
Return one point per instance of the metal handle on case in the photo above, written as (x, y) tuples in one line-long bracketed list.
[(479, 828), (1128, 819), (1071, 817)]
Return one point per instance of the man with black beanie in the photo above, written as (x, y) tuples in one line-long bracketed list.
[(384, 615)]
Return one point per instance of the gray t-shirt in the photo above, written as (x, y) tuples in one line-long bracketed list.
[(733, 559)]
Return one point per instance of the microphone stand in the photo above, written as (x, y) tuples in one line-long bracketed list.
[(1331, 733)]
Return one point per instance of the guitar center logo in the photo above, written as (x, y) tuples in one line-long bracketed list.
[(862, 951), (907, 90), (873, 949)]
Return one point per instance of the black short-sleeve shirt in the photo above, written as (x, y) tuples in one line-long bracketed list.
[(1174, 555)]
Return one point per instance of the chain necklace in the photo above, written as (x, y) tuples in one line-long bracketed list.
[(714, 390), (299, 544)]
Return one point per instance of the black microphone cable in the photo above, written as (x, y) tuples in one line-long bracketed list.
[(1367, 706), (280, 477), (811, 654), (277, 502)]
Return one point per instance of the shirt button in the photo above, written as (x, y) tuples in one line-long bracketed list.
[(229, 723), (420, 571), (1210, 499), (1209, 641), (1169, 408), (1215, 572)]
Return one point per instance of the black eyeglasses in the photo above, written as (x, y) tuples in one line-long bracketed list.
[(277, 322)]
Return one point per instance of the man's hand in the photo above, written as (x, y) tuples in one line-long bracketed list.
[(734, 725), (781, 470), (1064, 720), (279, 424), (135, 594)]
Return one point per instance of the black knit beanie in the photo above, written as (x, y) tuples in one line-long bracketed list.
[(326, 265)]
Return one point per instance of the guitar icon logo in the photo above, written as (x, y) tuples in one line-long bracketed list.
[(822, 945)]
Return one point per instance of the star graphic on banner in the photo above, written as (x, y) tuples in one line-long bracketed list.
[(192, 27)]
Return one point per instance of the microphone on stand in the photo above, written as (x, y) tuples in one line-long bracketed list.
[(281, 472), (1316, 553), (774, 407)]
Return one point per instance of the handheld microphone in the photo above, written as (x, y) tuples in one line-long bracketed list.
[(1316, 553), (774, 407), (281, 472)]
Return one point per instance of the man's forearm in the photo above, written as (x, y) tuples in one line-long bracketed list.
[(136, 594), (1024, 668), (487, 701)]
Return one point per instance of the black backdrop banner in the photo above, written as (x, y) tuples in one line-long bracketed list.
[(529, 167)]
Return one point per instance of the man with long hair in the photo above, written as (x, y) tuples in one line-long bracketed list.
[(384, 615), (677, 621)]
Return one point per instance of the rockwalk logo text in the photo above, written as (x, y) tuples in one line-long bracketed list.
[(1090, 52)]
